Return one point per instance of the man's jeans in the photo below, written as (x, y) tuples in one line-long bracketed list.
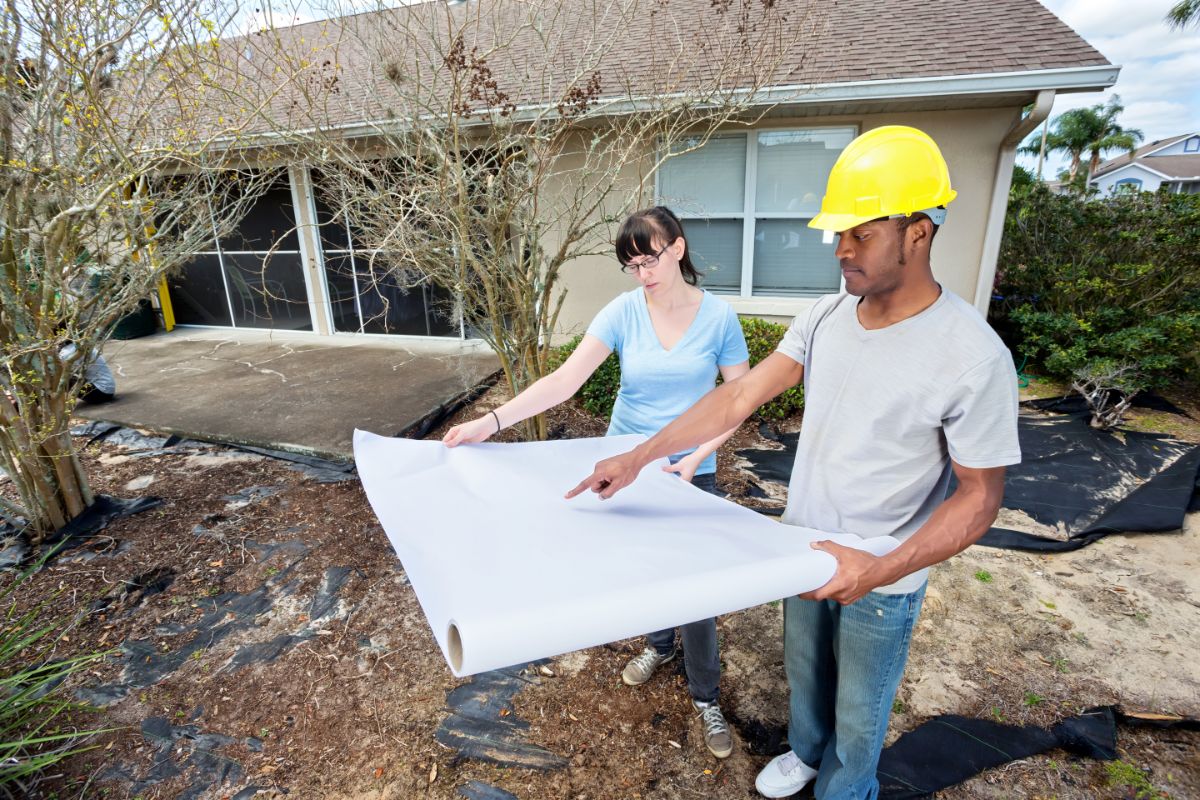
[(843, 667), (701, 659)]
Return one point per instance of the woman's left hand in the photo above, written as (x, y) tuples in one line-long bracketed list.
[(685, 467)]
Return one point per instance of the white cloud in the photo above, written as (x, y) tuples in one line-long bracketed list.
[(1160, 67)]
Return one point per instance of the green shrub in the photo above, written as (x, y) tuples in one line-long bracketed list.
[(1102, 286), (599, 392), (762, 338)]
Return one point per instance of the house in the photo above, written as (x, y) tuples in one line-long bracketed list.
[(965, 71), (1171, 163)]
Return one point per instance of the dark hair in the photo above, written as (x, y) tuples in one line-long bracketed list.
[(639, 230), (904, 223)]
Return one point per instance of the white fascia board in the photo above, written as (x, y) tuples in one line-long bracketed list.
[(1095, 78), (1168, 143)]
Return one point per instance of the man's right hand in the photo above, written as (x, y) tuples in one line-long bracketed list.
[(611, 475)]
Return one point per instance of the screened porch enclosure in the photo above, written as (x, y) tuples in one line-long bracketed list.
[(365, 296), (256, 276), (253, 278)]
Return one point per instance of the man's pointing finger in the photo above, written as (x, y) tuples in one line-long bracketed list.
[(590, 482)]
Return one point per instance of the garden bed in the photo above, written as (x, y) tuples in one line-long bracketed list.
[(269, 643)]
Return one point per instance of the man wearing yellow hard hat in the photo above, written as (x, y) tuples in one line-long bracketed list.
[(905, 385)]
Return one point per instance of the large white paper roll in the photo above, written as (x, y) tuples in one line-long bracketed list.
[(507, 571)]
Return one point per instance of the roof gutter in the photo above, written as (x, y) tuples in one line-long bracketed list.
[(1093, 78), (1003, 182)]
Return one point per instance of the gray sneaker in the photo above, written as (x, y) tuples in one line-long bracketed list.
[(642, 666), (716, 730)]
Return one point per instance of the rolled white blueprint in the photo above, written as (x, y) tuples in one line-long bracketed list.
[(507, 571)]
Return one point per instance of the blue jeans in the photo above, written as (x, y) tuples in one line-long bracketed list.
[(701, 657), (843, 667)]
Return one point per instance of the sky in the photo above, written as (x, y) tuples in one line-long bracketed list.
[(1159, 83)]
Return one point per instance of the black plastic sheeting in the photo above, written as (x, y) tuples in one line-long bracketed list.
[(476, 728), (1090, 483), (183, 750), (228, 614), (942, 752), (322, 470), (421, 428), (947, 750), (17, 550), (478, 790), (1085, 482)]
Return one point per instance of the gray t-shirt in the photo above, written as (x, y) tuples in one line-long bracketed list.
[(886, 410)]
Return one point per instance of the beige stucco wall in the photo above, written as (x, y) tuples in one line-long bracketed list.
[(970, 141)]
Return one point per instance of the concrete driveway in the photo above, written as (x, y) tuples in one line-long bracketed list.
[(286, 391)]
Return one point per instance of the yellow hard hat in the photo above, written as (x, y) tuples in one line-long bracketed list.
[(885, 172)]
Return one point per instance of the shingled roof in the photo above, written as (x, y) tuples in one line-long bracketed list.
[(674, 48), (1174, 166)]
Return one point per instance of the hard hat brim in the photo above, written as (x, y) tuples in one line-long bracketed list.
[(836, 223)]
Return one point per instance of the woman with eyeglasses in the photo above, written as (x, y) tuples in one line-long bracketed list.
[(672, 339)]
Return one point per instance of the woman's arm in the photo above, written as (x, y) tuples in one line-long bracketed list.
[(686, 466), (546, 393)]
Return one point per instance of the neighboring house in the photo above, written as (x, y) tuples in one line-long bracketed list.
[(1171, 163), (962, 70)]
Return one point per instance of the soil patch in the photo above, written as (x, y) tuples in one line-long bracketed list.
[(268, 642)]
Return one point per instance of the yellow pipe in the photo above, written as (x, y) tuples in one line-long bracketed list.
[(164, 303)]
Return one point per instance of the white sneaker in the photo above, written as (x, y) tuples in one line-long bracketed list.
[(784, 776)]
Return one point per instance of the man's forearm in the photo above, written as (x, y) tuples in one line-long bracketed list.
[(954, 526), (719, 411), (723, 409)]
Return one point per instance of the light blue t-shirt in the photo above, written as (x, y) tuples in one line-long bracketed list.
[(658, 385)]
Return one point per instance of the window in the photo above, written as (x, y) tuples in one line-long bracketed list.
[(746, 200), (1192, 145), (252, 278), (1127, 186), (364, 295)]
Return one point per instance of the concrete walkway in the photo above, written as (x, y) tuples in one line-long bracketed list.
[(286, 391)]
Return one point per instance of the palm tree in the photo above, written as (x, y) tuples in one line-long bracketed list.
[(1091, 131), (1110, 134), (1184, 13), (1072, 132)]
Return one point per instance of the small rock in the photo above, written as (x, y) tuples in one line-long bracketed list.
[(139, 483)]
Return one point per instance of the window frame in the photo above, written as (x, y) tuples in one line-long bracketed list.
[(353, 253), (220, 251), (1127, 185), (745, 291)]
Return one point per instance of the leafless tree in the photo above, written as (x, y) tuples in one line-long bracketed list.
[(482, 146), (1109, 390), (115, 166)]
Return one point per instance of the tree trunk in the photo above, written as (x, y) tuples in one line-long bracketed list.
[(45, 469)]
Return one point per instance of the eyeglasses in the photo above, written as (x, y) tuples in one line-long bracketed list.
[(649, 262)]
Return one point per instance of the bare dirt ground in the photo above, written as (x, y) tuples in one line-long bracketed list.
[(268, 644)]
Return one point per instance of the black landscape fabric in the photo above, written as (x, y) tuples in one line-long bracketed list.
[(947, 750), (1085, 482), (1090, 483)]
